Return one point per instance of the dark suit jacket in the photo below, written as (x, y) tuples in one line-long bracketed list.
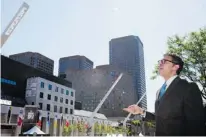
[(180, 111)]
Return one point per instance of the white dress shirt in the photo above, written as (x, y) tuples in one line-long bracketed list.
[(169, 81)]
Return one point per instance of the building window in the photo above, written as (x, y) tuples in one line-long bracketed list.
[(62, 75), (49, 97), (56, 90), (40, 105), (62, 91), (41, 95), (42, 84), (72, 94), (55, 98), (71, 111), (60, 110), (50, 87), (66, 101), (71, 102), (61, 100), (66, 110), (48, 107), (55, 108), (67, 92)]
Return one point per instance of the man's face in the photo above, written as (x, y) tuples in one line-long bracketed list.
[(167, 67)]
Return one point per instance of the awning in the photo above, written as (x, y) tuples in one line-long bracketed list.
[(34, 130)]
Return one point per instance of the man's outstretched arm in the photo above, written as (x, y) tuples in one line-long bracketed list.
[(136, 110), (147, 116)]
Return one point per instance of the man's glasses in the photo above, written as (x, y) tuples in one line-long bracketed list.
[(163, 61)]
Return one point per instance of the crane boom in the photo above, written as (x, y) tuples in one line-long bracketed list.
[(14, 22)]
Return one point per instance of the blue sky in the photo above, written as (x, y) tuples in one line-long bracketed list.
[(58, 28)]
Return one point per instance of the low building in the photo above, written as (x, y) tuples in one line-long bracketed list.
[(50, 96), (16, 81), (9, 120)]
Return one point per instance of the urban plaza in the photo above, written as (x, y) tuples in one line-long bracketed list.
[(148, 77)]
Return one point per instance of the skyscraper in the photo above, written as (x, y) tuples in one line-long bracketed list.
[(127, 53), (35, 60), (74, 63)]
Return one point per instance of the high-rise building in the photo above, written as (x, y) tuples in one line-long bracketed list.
[(127, 53), (35, 60), (74, 63)]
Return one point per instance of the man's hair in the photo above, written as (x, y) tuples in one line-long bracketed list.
[(177, 61)]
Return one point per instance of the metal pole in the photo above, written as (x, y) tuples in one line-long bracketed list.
[(127, 118), (102, 101)]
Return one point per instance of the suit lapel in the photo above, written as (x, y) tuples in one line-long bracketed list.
[(157, 94), (169, 89), (171, 86)]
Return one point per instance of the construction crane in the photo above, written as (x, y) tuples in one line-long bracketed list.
[(14, 22)]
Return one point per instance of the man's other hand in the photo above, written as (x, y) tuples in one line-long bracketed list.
[(134, 109)]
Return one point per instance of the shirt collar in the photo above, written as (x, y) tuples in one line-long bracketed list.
[(169, 81)]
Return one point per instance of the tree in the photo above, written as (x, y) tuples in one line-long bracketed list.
[(192, 49)]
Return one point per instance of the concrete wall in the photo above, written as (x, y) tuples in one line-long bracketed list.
[(92, 85)]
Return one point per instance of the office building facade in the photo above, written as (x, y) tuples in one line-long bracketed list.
[(50, 96), (127, 53), (35, 60), (92, 85), (74, 63)]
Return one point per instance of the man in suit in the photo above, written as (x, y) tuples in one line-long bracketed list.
[(178, 106)]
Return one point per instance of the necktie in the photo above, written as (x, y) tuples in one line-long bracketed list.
[(162, 90)]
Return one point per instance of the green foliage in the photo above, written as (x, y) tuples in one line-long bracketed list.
[(155, 72), (192, 49), (97, 128), (67, 130), (81, 127), (150, 124), (136, 122), (101, 129)]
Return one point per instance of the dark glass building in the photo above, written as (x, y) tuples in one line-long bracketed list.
[(74, 63), (14, 80), (127, 53)]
